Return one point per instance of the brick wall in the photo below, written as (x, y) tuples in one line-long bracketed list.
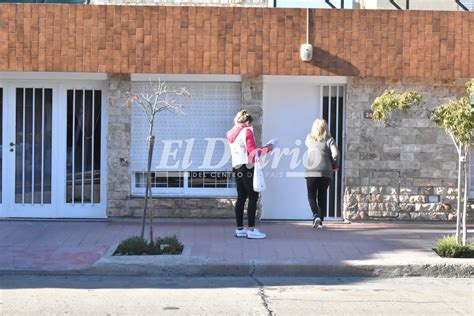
[(163, 39)]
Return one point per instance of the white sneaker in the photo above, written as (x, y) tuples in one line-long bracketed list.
[(255, 234), (320, 226), (317, 222), (239, 233)]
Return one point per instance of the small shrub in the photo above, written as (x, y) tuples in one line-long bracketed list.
[(170, 245), (135, 245), (448, 247)]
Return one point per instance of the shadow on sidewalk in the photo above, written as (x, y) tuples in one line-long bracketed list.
[(141, 282), (48, 246)]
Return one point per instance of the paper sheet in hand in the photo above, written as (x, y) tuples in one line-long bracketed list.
[(272, 142)]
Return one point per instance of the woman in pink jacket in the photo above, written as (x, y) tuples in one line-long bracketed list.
[(244, 149)]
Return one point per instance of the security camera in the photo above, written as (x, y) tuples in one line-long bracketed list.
[(306, 52)]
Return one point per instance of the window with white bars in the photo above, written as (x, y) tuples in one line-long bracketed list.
[(34, 108), (194, 169), (163, 179), (189, 183), (84, 109), (333, 112)]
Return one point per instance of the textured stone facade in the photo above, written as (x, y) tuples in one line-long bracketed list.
[(118, 145), (120, 201), (252, 100), (407, 170), (224, 3)]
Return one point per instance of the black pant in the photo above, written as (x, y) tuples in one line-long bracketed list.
[(317, 195), (244, 179)]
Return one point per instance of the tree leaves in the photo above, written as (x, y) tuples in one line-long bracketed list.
[(390, 101), (456, 117)]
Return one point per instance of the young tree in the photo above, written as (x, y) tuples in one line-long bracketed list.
[(160, 99), (456, 117)]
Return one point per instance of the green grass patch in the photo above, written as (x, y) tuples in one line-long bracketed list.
[(138, 246), (448, 247)]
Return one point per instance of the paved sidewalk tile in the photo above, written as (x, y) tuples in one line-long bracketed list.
[(71, 245)]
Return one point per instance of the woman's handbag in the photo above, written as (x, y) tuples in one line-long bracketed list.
[(258, 179)]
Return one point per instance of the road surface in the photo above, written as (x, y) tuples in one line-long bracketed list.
[(86, 295)]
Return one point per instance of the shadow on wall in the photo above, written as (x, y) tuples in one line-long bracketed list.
[(326, 61), (333, 64)]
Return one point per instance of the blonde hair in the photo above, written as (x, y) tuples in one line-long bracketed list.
[(319, 131), (242, 117)]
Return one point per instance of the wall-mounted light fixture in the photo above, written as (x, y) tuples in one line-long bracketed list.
[(306, 50)]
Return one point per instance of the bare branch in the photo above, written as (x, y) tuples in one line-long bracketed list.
[(458, 149), (159, 100)]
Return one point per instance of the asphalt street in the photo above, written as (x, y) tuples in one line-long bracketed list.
[(97, 295)]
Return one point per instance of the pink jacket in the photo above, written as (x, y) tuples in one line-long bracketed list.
[(252, 148)]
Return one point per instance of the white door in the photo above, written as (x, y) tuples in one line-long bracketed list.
[(82, 144), (3, 151), (30, 156), (52, 151), (290, 105)]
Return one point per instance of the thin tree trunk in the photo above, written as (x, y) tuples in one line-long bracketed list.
[(150, 141), (150, 156), (466, 184), (458, 210)]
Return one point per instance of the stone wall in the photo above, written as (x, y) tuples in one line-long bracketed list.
[(407, 170), (223, 3), (120, 201), (118, 144), (252, 101)]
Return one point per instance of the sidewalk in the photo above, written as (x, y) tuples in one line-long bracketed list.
[(293, 249)]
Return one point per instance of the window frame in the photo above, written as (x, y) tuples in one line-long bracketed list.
[(186, 190)]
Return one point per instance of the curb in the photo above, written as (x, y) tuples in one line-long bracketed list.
[(199, 267), (186, 266), (207, 269)]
